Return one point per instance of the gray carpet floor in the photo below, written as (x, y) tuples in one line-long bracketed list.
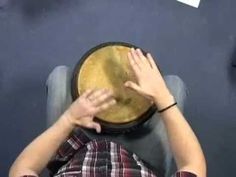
[(196, 44)]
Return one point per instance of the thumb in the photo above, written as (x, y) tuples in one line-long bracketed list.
[(96, 126), (133, 86)]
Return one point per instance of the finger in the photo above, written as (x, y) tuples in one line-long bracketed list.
[(106, 105), (95, 125), (133, 86), (96, 94), (102, 98), (136, 58), (151, 61), (141, 56), (133, 64), (87, 93)]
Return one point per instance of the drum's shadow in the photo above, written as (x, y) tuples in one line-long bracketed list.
[(143, 129)]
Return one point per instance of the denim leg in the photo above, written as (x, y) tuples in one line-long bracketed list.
[(58, 93)]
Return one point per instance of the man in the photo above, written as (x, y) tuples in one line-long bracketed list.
[(69, 152)]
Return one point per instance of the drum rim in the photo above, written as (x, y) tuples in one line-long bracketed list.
[(109, 127)]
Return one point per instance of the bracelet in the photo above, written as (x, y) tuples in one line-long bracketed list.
[(168, 107)]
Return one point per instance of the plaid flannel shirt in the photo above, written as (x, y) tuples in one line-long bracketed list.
[(81, 157)]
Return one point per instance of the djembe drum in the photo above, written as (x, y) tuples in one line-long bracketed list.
[(107, 66)]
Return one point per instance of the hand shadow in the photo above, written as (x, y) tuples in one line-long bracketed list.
[(34, 9), (232, 67)]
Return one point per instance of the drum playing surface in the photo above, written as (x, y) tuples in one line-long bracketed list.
[(108, 67)]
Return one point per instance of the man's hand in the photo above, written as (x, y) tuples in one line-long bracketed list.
[(82, 111), (150, 82), (182, 139)]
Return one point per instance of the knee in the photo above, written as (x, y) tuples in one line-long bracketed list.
[(58, 72), (175, 80), (173, 77), (177, 87), (60, 69)]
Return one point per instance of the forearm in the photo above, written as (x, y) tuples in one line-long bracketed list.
[(80, 113), (150, 83), (183, 142), (37, 154)]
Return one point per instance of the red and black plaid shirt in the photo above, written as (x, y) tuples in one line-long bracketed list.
[(81, 157)]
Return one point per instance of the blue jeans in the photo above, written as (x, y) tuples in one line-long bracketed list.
[(149, 141)]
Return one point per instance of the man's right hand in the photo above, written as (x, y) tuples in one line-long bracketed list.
[(150, 82)]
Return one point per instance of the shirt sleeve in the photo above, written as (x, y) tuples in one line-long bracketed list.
[(184, 174), (76, 140)]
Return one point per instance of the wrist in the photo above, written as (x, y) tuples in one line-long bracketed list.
[(64, 124), (68, 119), (164, 100)]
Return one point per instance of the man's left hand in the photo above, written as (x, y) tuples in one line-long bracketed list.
[(82, 111)]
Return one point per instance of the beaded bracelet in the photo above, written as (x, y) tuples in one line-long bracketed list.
[(168, 107)]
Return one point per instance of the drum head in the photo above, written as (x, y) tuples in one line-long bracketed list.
[(107, 66)]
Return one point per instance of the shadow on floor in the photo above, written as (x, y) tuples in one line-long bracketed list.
[(232, 67), (34, 9)]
